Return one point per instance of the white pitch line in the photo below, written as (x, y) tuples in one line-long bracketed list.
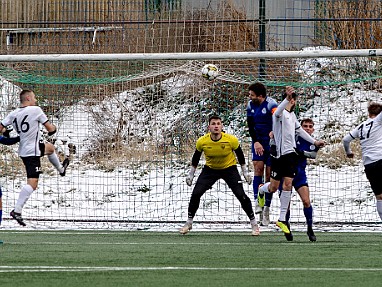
[(11, 269), (311, 244)]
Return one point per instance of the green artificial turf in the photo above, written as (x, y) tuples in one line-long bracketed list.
[(141, 258)]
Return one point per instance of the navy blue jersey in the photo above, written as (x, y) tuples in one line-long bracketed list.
[(259, 119), (304, 145)]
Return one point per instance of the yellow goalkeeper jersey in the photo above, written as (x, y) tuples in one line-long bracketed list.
[(219, 154)]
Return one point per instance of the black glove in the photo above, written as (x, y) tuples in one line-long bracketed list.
[(7, 132), (52, 133), (272, 150)]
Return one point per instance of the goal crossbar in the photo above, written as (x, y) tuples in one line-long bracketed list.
[(190, 56)]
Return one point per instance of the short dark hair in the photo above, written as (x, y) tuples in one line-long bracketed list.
[(374, 109), (214, 117), (307, 120), (259, 89), (23, 95)]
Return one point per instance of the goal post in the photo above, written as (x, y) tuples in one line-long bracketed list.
[(135, 118)]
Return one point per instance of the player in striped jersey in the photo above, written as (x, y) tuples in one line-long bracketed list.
[(27, 120), (369, 134), (219, 150), (260, 109), (284, 163)]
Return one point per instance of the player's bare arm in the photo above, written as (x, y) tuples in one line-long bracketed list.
[(51, 128), (319, 143)]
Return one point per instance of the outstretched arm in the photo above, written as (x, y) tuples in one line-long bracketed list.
[(289, 91), (307, 154), (346, 143)]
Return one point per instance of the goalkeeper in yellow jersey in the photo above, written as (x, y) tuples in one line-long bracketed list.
[(219, 149)]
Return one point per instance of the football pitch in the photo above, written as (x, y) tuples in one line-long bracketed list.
[(143, 258)]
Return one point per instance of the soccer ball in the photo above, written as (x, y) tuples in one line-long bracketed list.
[(210, 71)]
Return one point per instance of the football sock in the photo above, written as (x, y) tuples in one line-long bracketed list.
[(287, 216), (284, 203), (379, 208), (257, 180), (308, 212), (1, 215), (253, 221), (268, 199), (264, 188), (25, 192), (53, 158)]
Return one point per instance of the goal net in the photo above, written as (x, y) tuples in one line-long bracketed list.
[(130, 122)]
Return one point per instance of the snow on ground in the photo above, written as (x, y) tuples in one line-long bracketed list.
[(154, 196)]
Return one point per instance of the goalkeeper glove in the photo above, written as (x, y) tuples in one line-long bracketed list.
[(190, 176), (247, 176)]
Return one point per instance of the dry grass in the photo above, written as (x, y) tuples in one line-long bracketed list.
[(333, 156), (350, 34), (183, 36), (11, 165), (188, 32)]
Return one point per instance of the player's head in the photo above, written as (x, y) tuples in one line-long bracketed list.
[(215, 125), (374, 109), (308, 125), (27, 98), (257, 93)]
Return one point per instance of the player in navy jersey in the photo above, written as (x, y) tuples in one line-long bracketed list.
[(6, 140), (260, 109), (300, 182), (27, 120), (369, 133)]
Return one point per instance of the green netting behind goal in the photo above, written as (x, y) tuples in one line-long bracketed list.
[(135, 124)]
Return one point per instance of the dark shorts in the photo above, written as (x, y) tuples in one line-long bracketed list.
[(266, 157), (300, 179), (284, 166), (33, 163), (209, 176), (373, 173)]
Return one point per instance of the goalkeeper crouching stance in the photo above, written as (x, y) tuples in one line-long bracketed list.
[(219, 149)]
